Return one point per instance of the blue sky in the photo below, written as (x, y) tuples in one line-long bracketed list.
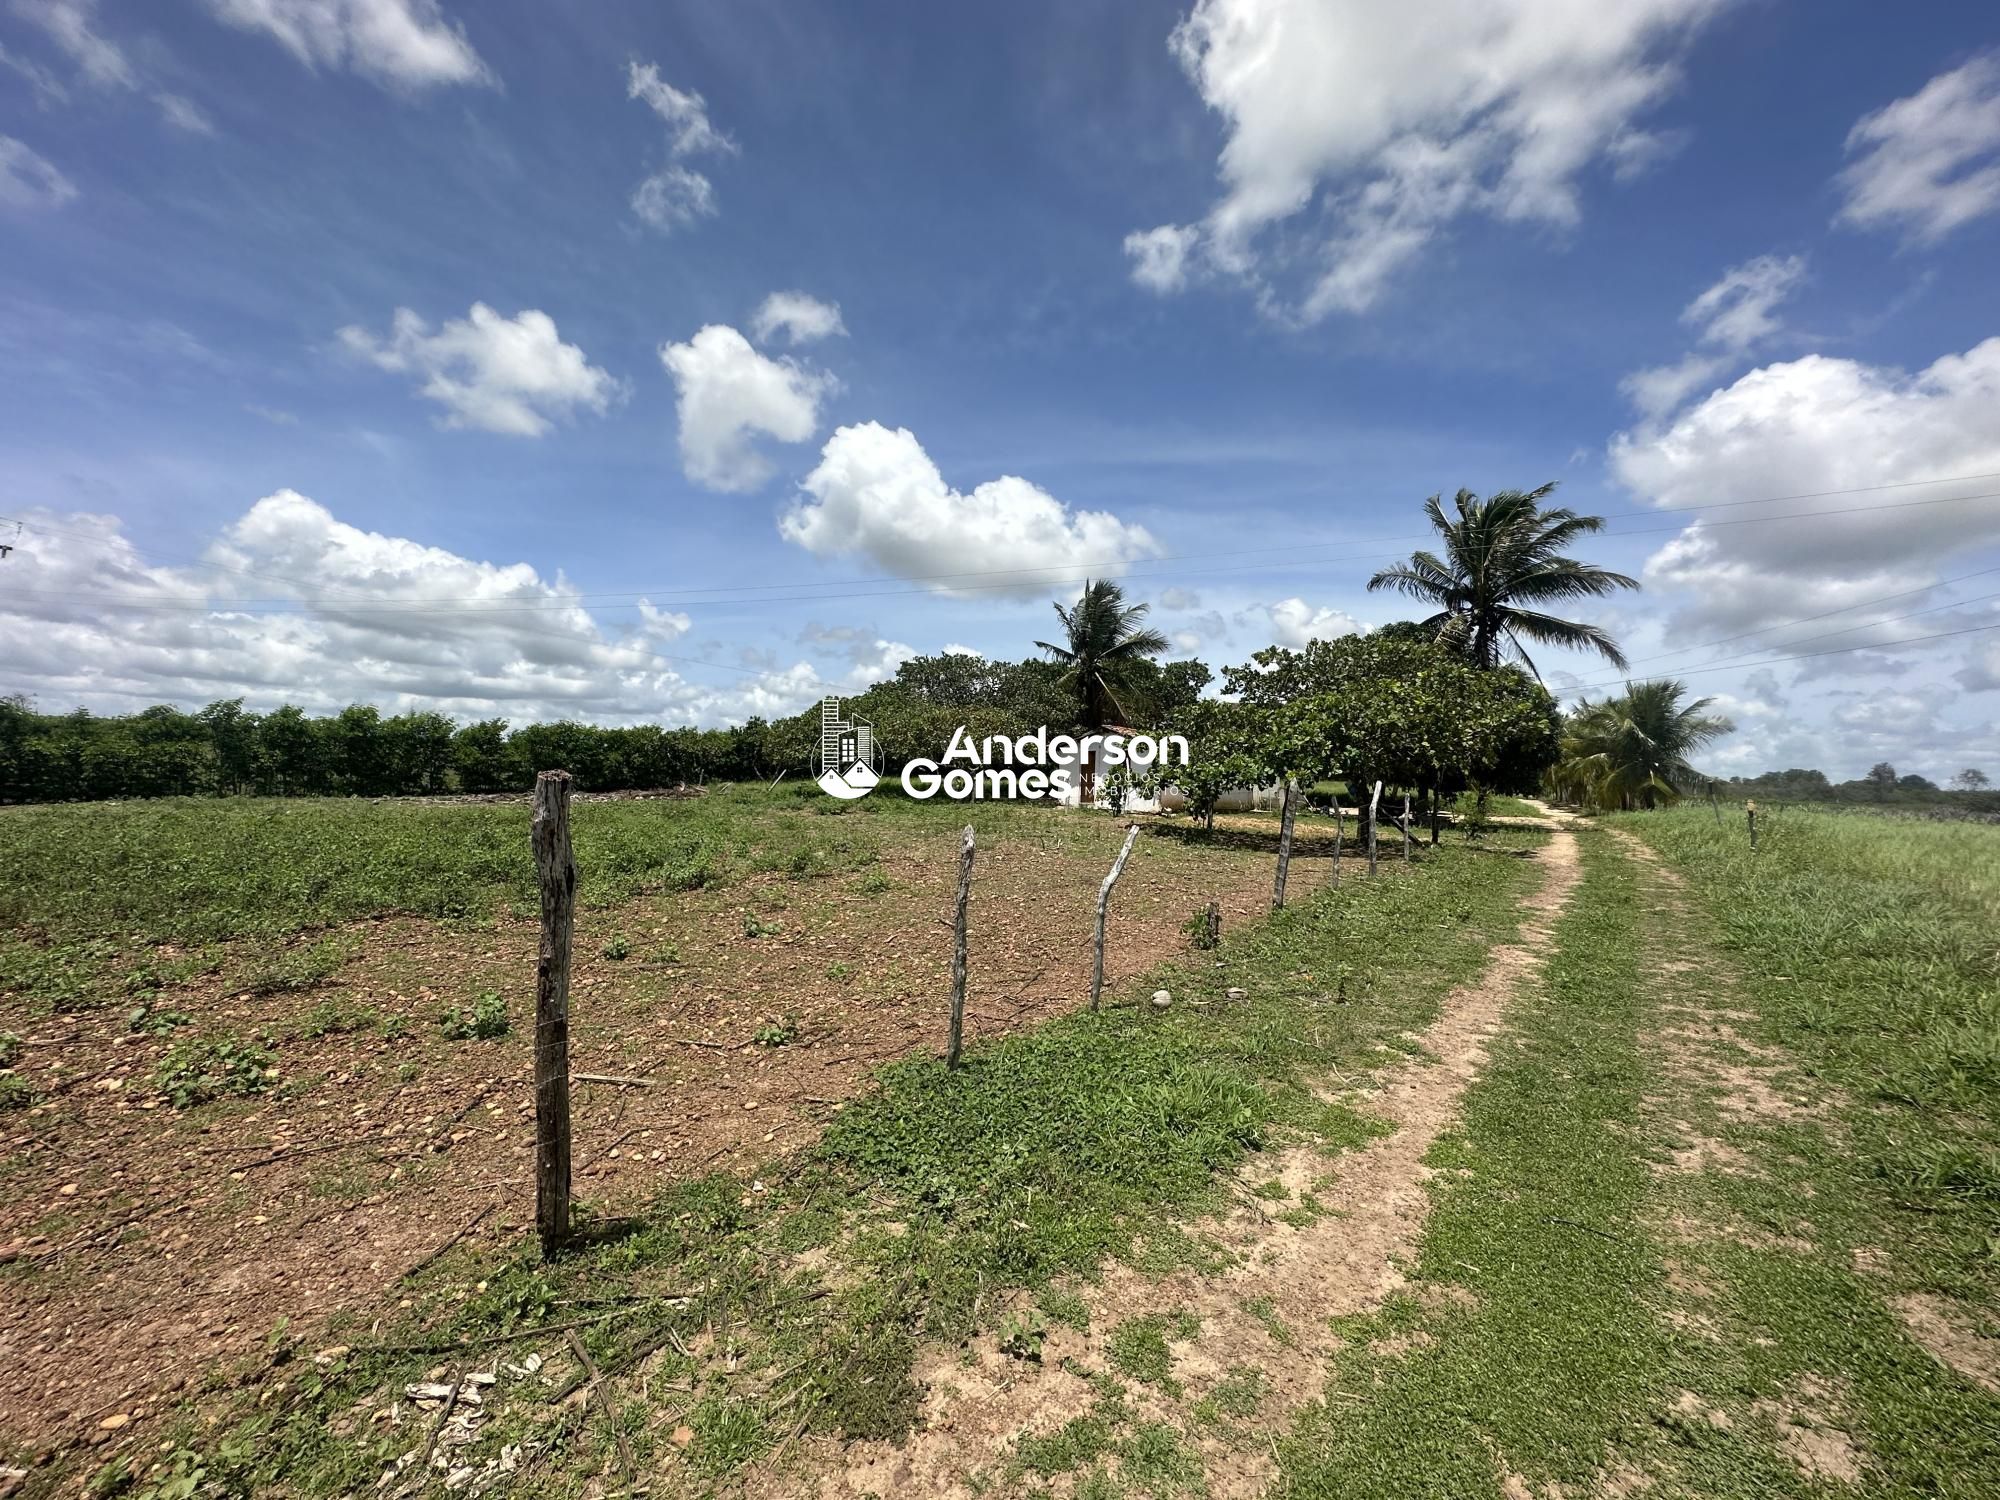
[(397, 350)]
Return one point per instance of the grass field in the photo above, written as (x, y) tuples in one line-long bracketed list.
[(1606, 1160)]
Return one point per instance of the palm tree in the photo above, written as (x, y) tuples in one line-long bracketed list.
[(1107, 654), (1633, 750), (1502, 554)]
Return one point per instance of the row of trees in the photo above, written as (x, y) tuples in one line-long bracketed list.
[(1433, 706), (225, 750)]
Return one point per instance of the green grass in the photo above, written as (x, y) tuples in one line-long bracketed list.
[(1869, 944), (1558, 1346), (1093, 1136), (1546, 1358), (196, 870)]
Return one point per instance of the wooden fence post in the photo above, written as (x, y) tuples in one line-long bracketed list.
[(1288, 812), (1339, 837), (1215, 924), (1374, 803), (958, 950), (1103, 904), (557, 871), (1751, 808), (1434, 816), (1405, 826)]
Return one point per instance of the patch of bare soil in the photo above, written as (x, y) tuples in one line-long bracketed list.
[(1815, 1430), (141, 1245), (1943, 1328), (1269, 1310)]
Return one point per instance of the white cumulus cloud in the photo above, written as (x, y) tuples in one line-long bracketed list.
[(1731, 318), (876, 494), (1296, 624), (675, 195), (29, 179), (673, 198), (1160, 256), (1926, 164), (1392, 122), (800, 317), (345, 615), (1811, 425), (730, 395), (686, 114), (404, 43), (508, 375), (101, 61)]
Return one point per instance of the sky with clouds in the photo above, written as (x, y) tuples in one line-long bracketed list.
[(681, 362)]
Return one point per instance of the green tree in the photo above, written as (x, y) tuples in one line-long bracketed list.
[(232, 738), (291, 754), (484, 760), (1971, 779), (1632, 750), (1503, 556), (1105, 649), (1408, 713)]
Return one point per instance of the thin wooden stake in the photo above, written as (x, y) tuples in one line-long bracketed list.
[(1374, 805), (1434, 815), (1751, 808), (1103, 905), (1215, 924), (557, 871), (1405, 826), (1289, 811), (958, 939), (1339, 837)]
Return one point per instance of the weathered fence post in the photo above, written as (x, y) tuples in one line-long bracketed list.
[(557, 871), (1374, 803), (1405, 826), (1339, 836), (1434, 816), (1215, 924), (1287, 813), (1103, 905), (958, 950), (1751, 808)]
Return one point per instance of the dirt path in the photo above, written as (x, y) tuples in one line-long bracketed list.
[(1268, 1313), (1720, 1096)]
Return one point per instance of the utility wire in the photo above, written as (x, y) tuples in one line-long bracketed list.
[(1749, 657)]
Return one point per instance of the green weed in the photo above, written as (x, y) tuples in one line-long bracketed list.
[(484, 1020), (199, 1069)]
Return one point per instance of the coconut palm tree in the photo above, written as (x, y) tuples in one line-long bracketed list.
[(1107, 654), (1502, 555), (1632, 750)]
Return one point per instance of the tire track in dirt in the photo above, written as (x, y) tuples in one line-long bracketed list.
[(1270, 1310), (1708, 1066)]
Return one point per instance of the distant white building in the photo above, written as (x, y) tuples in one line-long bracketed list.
[(1088, 778)]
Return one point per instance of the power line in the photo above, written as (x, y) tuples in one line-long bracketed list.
[(1749, 656), (1773, 661), (1924, 588)]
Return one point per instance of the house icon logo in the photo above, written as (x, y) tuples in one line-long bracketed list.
[(847, 757)]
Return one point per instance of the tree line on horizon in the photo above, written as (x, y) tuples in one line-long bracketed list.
[(1445, 703)]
